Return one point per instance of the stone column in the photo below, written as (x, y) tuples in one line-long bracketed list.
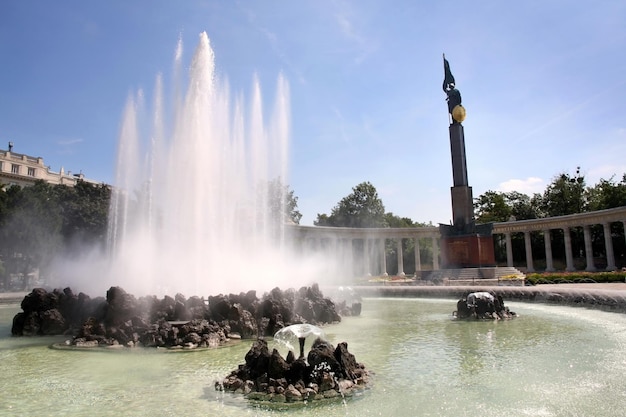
[(350, 257), (608, 243), (366, 258), (509, 249), (569, 260), (400, 258), (418, 259), (547, 240), (435, 254), (588, 249), (529, 252), (383, 260)]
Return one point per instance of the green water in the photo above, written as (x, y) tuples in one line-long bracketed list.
[(551, 361)]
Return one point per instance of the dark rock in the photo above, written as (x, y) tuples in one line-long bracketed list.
[(323, 352), (192, 337), (266, 376), (120, 306), (298, 371), (121, 319), (257, 359), (17, 329), (347, 362), (242, 321), (482, 305), (277, 367), (219, 307), (52, 322), (32, 324), (39, 300)]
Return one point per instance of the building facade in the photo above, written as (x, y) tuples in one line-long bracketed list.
[(24, 170)]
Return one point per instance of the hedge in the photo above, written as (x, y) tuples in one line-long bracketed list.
[(575, 277)]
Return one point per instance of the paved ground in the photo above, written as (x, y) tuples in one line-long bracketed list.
[(12, 297)]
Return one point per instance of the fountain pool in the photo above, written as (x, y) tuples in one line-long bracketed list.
[(551, 361)]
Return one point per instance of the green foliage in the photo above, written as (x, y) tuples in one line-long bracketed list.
[(575, 277), (282, 202), (494, 206), (40, 222), (362, 208), (565, 195), (391, 220), (31, 232), (85, 212), (607, 194)]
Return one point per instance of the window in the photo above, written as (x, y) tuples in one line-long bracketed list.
[(31, 172), (1, 167), (15, 169)]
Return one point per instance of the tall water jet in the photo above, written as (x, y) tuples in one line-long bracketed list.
[(191, 209)]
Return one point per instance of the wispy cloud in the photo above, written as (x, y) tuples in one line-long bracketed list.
[(69, 142), (273, 40), (341, 123), (347, 21), (529, 186)]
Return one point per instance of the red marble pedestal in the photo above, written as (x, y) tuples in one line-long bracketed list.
[(467, 251)]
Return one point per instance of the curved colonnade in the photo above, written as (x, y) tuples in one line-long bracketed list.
[(361, 251)]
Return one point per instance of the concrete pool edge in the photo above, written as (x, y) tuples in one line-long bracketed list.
[(610, 297), (606, 296)]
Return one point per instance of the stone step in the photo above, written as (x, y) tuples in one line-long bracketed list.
[(471, 274)]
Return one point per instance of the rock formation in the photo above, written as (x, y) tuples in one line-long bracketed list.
[(482, 305), (327, 372), (120, 319)]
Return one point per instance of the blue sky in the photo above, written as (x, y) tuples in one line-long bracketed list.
[(543, 83)]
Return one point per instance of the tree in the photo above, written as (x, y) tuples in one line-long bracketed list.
[(565, 195), (492, 207), (85, 213), (524, 207), (607, 194), (391, 220), (31, 234), (362, 208), (282, 202), (40, 222)]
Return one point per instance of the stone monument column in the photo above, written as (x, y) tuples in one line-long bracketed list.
[(464, 244)]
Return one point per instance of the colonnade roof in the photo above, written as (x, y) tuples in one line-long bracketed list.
[(365, 232), (617, 214)]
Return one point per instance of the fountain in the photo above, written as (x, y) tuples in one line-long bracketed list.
[(194, 210), (297, 332), (326, 373), (201, 173)]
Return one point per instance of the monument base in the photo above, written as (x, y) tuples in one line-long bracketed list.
[(467, 247), (467, 251)]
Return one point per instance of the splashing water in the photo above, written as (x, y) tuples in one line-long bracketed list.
[(190, 210)]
